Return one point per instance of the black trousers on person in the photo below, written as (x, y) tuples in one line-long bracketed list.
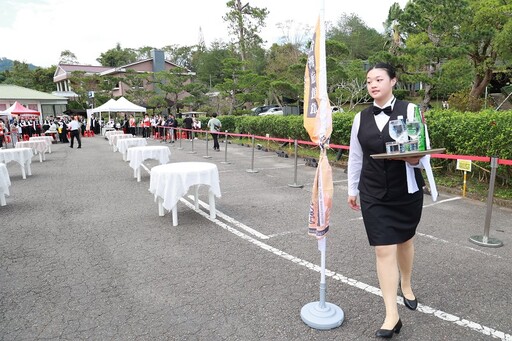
[(76, 134), (215, 137)]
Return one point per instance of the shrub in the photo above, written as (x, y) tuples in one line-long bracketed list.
[(462, 101)]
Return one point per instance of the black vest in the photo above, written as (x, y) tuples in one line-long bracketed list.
[(380, 178)]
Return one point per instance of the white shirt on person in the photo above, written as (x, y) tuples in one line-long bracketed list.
[(74, 125)]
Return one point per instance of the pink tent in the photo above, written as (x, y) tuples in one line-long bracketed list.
[(19, 110)]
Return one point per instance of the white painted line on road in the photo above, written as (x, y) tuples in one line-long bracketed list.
[(442, 201), (456, 244), (281, 234), (357, 284), (232, 220)]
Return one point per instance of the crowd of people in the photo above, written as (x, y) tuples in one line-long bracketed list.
[(163, 127), (20, 128)]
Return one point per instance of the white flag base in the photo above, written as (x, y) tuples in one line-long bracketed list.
[(322, 315), (328, 317)]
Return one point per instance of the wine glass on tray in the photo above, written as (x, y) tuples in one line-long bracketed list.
[(398, 132)]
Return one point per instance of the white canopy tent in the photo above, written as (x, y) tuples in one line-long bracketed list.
[(121, 105), (106, 107)]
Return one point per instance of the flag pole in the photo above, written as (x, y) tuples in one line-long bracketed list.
[(322, 315), (318, 122)]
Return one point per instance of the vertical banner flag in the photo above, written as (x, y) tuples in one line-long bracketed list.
[(318, 123)]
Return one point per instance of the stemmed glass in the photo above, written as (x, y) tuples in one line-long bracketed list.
[(398, 132)]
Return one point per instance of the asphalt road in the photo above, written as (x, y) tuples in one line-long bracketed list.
[(84, 255)]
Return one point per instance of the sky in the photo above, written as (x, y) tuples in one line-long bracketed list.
[(37, 31)]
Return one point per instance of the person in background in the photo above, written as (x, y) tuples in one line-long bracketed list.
[(74, 127), (132, 125), (188, 123), (390, 211), (175, 131), (2, 133), (214, 125), (15, 132), (146, 124)]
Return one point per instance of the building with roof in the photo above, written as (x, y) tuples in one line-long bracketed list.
[(46, 104), (157, 62)]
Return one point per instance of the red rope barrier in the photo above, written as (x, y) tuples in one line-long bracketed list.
[(462, 157), (338, 146)]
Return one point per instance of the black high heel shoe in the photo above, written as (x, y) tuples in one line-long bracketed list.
[(387, 333), (411, 304)]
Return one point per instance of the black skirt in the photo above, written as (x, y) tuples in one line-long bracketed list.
[(391, 221)]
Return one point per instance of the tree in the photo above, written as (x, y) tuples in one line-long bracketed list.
[(296, 34), (117, 57), (169, 85), (432, 29), (180, 55), (68, 57), (40, 79), (245, 22), (360, 40), (208, 64), (486, 31), (352, 87)]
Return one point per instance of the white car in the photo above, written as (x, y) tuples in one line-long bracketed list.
[(272, 111)]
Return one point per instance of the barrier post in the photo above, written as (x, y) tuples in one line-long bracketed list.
[(192, 142), (252, 170), (179, 137), (226, 150), (207, 156), (485, 240), (294, 185)]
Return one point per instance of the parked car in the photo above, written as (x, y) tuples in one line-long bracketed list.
[(263, 108), (272, 111)]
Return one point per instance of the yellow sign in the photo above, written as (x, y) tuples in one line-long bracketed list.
[(464, 165)]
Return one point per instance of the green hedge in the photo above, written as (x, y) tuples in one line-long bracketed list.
[(485, 133)]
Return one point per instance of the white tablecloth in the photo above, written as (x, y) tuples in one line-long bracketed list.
[(48, 139), (123, 144), (23, 156), (105, 130), (115, 138), (109, 134), (172, 181), (37, 146), (137, 155), (5, 182)]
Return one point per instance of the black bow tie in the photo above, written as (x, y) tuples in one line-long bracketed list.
[(386, 110)]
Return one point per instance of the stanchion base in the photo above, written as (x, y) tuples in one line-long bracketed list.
[(180, 148), (191, 152), (327, 318), (207, 157), (225, 162), (295, 186), (252, 171), (488, 242)]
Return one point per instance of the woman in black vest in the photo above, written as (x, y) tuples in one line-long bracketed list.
[(390, 212)]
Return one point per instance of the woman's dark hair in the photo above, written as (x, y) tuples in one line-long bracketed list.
[(390, 70)]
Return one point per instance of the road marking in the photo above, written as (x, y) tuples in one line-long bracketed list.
[(357, 284), (232, 220), (442, 201)]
